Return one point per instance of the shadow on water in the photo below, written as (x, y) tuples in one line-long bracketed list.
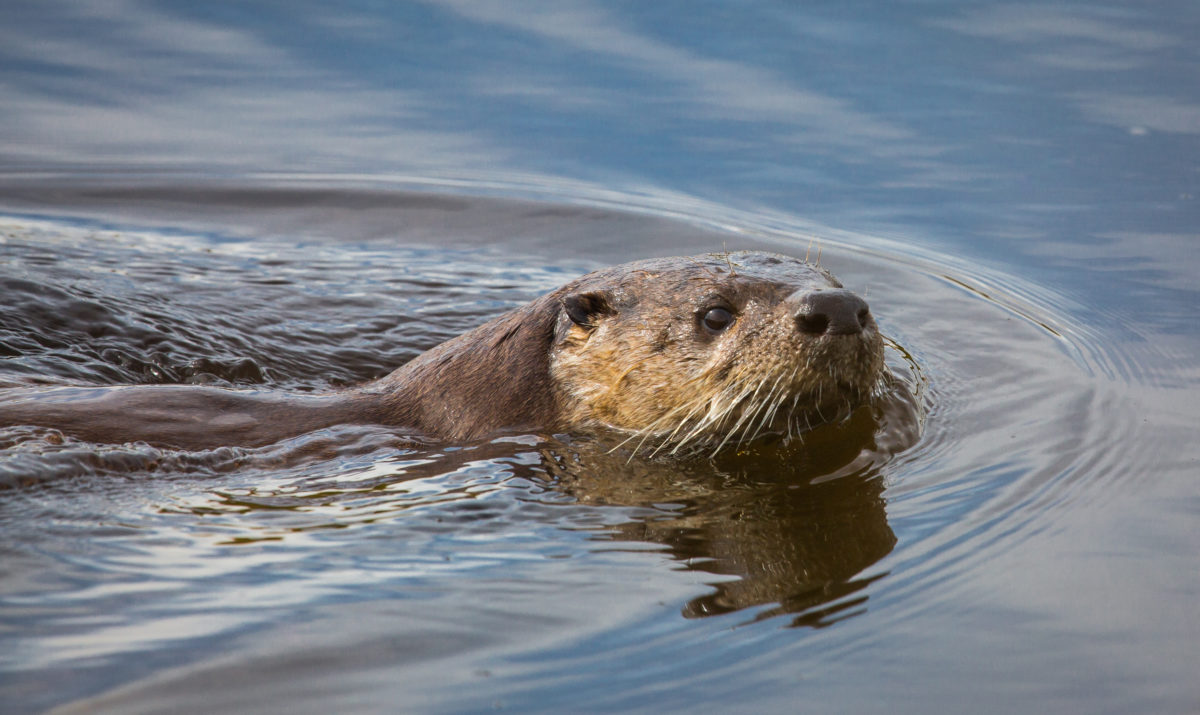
[(793, 526)]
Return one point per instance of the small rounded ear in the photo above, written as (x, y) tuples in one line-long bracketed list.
[(586, 309)]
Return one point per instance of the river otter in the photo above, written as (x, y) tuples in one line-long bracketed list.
[(674, 354)]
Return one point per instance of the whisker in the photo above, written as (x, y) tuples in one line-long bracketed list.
[(769, 415)]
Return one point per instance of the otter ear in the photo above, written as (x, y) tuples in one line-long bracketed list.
[(585, 309)]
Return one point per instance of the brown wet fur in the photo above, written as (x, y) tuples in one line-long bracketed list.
[(620, 350)]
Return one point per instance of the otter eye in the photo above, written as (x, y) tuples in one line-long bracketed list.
[(717, 319)]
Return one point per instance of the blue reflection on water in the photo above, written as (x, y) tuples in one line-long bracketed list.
[(939, 118), (1056, 140)]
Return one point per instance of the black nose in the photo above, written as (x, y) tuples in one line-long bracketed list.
[(829, 312)]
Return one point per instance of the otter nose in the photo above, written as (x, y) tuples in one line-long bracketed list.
[(829, 312)]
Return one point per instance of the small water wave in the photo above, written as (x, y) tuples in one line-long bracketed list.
[(320, 316)]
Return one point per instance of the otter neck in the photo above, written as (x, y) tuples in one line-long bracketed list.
[(492, 378)]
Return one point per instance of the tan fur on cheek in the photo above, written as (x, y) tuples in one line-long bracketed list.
[(615, 378)]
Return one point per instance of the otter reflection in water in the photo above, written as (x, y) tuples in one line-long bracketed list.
[(796, 528), (672, 355)]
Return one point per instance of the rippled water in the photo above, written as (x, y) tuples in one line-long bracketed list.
[(300, 199), (354, 555)]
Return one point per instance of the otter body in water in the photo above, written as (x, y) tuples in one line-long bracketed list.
[(674, 354)]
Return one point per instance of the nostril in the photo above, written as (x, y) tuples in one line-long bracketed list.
[(814, 323), (829, 312)]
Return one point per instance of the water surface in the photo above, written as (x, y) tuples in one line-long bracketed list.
[(301, 199)]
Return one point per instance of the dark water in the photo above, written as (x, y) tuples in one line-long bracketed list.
[(298, 197)]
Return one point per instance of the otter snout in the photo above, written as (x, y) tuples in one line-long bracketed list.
[(829, 312)]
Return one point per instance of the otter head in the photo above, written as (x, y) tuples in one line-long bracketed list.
[(684, 354)]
